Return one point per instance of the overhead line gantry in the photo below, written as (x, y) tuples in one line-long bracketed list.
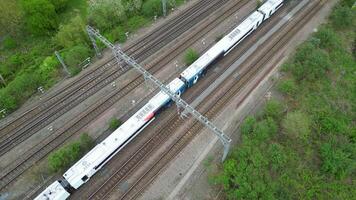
[(120, 55)]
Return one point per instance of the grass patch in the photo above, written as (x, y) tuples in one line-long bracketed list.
[(191, 55)]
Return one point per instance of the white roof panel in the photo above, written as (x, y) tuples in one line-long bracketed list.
[(55, 191), (202, 62), (100, 152)]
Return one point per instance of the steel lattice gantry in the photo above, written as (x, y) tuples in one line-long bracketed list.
[(119, 54)]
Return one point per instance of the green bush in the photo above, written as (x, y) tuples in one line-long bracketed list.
[(106, 14), (191, 56), (152, 8), (342, 17), (114, 124), (273, 109), (132, 7), (296, 125), (264, 129), (287, 87), (336, 161), (248, 125), (117, 35), (328, 38), (48, 69), (9, 43), (64, 157), (310, 63), (72, 34), (136, 22), (59, 5), (74, 56), (40, 16)]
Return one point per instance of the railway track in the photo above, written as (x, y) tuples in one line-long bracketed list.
[(60, 136), (39, 117), (280, 39)]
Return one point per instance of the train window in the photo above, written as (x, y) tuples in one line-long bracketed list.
[(195, 79), (84, 178)]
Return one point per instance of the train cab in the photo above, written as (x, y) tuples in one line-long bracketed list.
[(270, 7)]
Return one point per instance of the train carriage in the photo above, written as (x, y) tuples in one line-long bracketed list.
[(95, 159)]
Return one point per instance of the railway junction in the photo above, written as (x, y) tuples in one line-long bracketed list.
[(104, 91)]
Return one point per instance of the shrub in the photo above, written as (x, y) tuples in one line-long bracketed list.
[(287, 86), (278, 157), (48, 69), (310, 63), (40, 16), (59, 5), (9, 43), (296, 124), (136, 22), (114, 124), (273, 109), (106, 14), (191, 55), (247, 125), (72, 34), (328, 38), (336, 161), (7, 102), (74, 56), (117, 35), (342, 17), (264, 129), (64, 157), (132, 7), (152, 8)]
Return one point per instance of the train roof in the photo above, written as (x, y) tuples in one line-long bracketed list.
[(101, 151), (201, 62), (55, 191), (269, 5)]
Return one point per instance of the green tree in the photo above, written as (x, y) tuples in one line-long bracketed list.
[(296, 124), (74, 56), (264, 129), (9, 42), (273, 109), (59, 5), (136, 22), (132, 7), (10, 18), (48, 69), (152, 8), (342, 17), (72, 34), (310, 63), (40, 16), (336, 161), (117, 35), (191, 55), (277, 156), (106, 14), (248, 125), (287, 87), (328, 38)]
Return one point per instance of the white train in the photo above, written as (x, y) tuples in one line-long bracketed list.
[(95, 159)]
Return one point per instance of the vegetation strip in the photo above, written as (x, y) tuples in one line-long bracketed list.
[(303, 146)]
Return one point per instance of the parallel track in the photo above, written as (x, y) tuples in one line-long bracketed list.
[(211, 110), (67, 98), (57, 138)]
